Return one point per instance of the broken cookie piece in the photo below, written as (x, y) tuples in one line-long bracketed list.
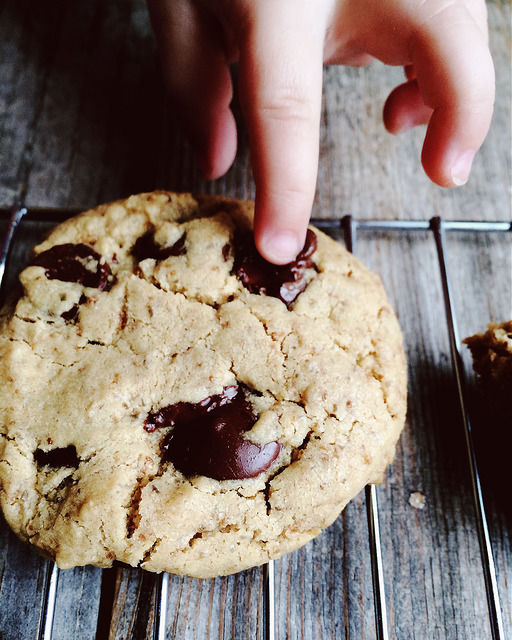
[(492, 361)]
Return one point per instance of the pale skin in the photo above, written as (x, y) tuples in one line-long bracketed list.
[(280, 47)]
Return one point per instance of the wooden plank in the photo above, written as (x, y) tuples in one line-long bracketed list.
[(77, 603), (133, 604), (324, 590), (22, 575), (27, 44), (224, 608), (436, 549), (96, 137)]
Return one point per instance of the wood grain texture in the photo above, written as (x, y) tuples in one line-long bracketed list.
[(83, 119)]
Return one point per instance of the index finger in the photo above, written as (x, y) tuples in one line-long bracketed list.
[(280, 93)]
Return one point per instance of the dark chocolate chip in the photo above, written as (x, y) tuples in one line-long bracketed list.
[(71, 315), (257, 275), (207, 438), (60, 457), (146, 247), (74, 263)]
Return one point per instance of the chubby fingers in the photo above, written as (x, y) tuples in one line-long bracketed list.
[(281, 62), (198, 80), (452, 90)]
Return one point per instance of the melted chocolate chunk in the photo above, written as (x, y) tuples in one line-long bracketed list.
[(146, 247), (61, 457), (257, 275), (74, 263), (207, 437)]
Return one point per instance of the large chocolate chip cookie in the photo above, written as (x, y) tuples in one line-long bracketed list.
[(171, 401)]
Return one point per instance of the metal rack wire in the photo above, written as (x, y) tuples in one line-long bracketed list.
[(349, 228)]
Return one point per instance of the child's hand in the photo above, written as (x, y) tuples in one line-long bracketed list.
[(281, 46)]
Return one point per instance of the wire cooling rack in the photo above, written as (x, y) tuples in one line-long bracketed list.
[(350, 229)]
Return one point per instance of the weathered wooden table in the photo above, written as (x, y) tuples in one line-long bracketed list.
[(83, 120)]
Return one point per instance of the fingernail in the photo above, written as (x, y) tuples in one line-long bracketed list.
[(281, 247), (462, 167)]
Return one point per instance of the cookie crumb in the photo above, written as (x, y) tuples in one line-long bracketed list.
[(417, 500)]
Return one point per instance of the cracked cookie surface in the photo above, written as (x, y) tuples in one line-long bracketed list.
[(170, 403)]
